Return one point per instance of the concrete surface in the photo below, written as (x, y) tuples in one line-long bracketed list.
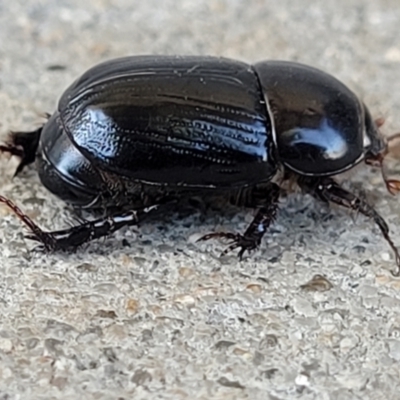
[(164, 317)]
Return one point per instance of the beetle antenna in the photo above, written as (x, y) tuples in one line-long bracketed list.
[(379, 122), (392, 146), (392, 185)]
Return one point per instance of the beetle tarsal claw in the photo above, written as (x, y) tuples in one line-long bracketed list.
[(237, 241)]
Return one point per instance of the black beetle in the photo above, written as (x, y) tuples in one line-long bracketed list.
[(136, 133)]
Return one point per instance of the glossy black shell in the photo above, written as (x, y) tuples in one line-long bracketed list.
[(319, 122), (171, 120), (199, 122)]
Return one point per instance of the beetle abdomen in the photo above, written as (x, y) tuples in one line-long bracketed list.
[(192, 121)]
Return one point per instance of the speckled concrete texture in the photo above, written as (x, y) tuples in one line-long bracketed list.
[(151, 314)]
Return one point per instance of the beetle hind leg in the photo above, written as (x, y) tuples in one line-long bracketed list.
[(266, 202), (327, 189), (23, 145), (71, 238)]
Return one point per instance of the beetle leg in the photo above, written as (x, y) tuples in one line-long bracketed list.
[(267, 207), (24, 146), (85, 232), (329, 190)]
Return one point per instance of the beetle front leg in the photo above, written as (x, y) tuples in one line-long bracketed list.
[(76, 236), (266, 203), (328, 190)]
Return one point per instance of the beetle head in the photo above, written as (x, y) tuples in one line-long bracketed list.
[(374, 143)]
